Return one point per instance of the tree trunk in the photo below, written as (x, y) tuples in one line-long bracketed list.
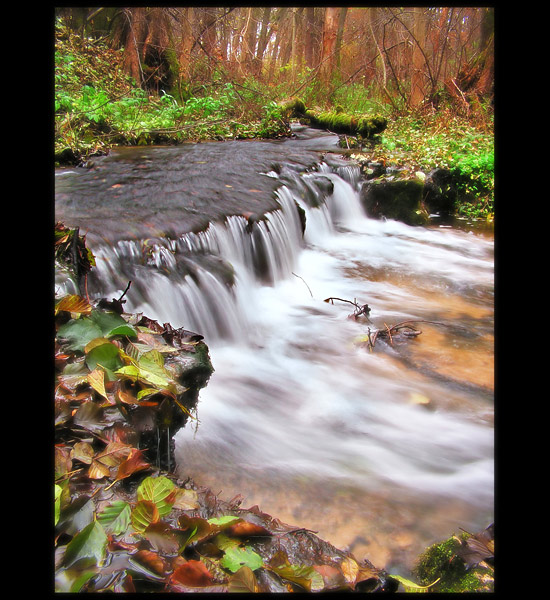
[(418, 77), (309, 36), (330, 31), (262, 42), (340, 35)]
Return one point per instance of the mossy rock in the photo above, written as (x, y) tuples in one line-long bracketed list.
[(442, 561), (293, 107), (400, 200), (337, 120)]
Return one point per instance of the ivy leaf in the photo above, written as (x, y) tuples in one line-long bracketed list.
[(158, 491), (235, 558), (115, 518), (91, 542)]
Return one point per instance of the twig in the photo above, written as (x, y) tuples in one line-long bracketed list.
[(361, 310), (304, 282)]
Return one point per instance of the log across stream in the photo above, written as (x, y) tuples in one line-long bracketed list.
[(382, 449)]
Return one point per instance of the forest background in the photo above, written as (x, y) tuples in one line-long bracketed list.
[(147, 75)]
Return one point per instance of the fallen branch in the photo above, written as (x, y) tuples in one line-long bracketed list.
[(390, 332), (359, 309)]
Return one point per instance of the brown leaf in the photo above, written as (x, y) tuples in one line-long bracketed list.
[(185, 499), (114, 454), (245, 529), (151, 561), (203, 528), (350, 569), (97, 380), (98, 470), (89, 416), (134, 463), (243, 581), (193, 574), (162, 537), (83, 451), (332, 576)]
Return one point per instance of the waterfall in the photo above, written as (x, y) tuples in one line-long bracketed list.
[(297, 416), (201, 280)]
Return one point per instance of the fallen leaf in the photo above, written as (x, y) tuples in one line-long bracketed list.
[(150, 563), (193, 574), (350, 569), (243, 581), (185, 499), (73, 304), (143, 514), (134, 463), (245, 529), (97, 380), (83, 451), (163, 537)]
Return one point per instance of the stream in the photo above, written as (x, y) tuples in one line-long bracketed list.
[(382, 451)]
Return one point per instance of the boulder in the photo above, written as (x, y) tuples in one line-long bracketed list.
[(440, 192), (400, 200)]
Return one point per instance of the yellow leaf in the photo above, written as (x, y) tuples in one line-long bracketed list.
[(97, 380), (74, 304), (350, 568)]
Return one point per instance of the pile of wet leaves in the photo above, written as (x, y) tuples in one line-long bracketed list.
[(125, 524)]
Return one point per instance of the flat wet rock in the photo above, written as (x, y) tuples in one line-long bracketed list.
[(143, 192)]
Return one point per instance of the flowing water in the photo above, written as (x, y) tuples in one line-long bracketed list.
[(381, 451)]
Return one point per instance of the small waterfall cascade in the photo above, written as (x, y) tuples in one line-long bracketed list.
[(200, 280), (297, 416)]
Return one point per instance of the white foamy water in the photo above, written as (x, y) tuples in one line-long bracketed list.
[(294, 399)]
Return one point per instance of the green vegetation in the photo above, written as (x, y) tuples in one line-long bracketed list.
[(443, 562), (97, 107)]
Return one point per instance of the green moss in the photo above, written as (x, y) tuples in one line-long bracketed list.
[(442, 562)]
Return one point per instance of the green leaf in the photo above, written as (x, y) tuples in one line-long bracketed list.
[(57, 496), (91, 542), (107, 355), (223, 520), (115, 518), (112, 324), (159, 491), (79, 332), (235, 558), (143, 514)]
